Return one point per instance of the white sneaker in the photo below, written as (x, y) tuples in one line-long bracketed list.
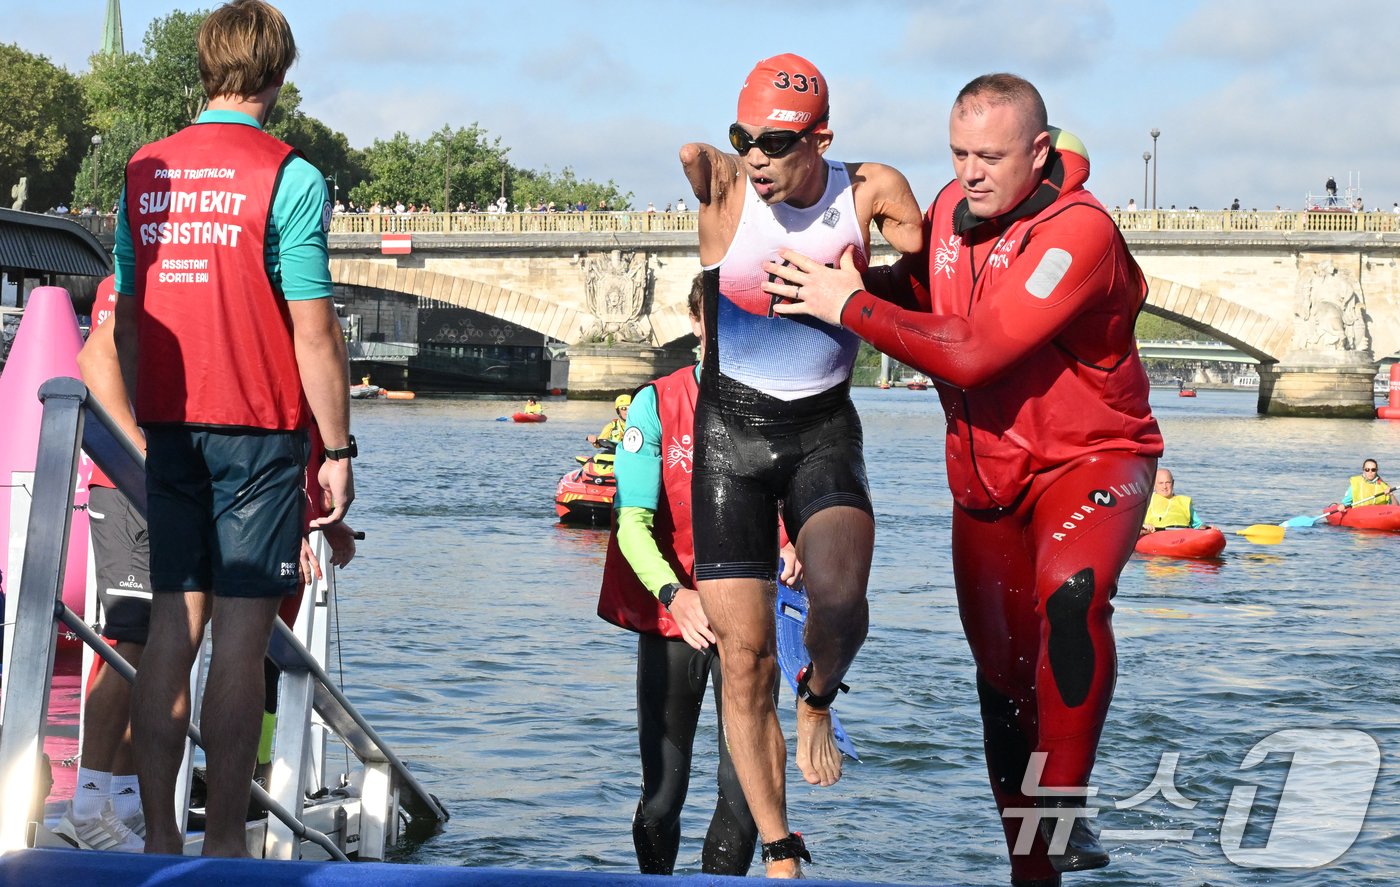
[(136, 822), (106, 832)]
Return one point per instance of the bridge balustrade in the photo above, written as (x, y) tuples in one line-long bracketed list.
[(1331, 220), (513, 223), (1211, 221)]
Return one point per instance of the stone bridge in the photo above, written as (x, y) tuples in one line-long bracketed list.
[(1314, 297)]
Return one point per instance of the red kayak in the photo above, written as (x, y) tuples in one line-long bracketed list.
[(530, 417), (1365, 517), (1207, 542)]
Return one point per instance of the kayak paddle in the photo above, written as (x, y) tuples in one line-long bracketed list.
[(1263, 534), (1303, 520)]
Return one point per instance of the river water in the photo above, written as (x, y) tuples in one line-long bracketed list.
[(469, 639)]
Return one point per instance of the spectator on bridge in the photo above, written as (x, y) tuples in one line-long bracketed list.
[(1331, 186), (680, 204), (1167, 510), (1235, 205), (1395, 208), (602, 206), (581, 206), (1131, 207), (651, 207), (668, 208)]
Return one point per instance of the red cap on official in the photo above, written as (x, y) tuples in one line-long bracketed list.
[(783, 92)]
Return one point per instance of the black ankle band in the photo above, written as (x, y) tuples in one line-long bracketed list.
[(791, 847), (820, 703)]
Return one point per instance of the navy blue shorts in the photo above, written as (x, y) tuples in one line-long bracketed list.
[(227, 509), (753, 452), (121, 555)]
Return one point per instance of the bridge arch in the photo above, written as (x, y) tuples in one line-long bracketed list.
[(1256, 334), (522, 309)]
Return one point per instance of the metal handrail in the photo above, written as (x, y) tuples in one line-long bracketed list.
[(72, 417)]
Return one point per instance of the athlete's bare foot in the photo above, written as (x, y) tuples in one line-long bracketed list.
[(817, 755), (785, 869)]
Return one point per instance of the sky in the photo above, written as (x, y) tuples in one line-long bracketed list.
[(1259, 100)]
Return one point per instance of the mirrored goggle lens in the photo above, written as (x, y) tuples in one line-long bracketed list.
[(772, 144)]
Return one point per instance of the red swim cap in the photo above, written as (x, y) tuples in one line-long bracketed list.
[(784, 92)]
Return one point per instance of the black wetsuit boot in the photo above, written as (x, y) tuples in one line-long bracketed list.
[(1083, 850)]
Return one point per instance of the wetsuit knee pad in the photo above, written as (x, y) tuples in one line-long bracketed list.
[(1006, 745), (1071, 645)]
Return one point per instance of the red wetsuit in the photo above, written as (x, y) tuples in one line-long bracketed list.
[(1025, 322)]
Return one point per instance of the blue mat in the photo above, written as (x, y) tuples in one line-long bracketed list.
[(30, 868)]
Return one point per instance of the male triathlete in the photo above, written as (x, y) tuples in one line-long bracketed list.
[(649, 587), (230, 345), (1022, 308), (774, 422)]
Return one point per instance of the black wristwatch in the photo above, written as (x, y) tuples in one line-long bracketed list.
[(349, 451), (668, 593)]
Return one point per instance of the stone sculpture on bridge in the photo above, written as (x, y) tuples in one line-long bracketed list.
[(1331, 314), (615, 285)]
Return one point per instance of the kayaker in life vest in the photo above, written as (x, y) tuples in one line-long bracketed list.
[(1168, 510), (611, 435), (532, 407), (1367, 488)]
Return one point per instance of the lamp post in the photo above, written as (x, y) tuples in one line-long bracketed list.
[(334, 181), (1146, 161), (446, 176), (96, 153), (1155, 132)]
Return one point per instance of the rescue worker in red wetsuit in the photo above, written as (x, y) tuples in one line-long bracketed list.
[(1022, 309), (774, 423)]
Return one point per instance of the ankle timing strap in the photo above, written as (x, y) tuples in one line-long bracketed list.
[(820, 703), (791, 847)]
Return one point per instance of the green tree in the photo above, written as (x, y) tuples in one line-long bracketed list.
[(119, 142), (396, 169), (43, 130), (531, 187), (327, 150), (1151, 328), (158, 87)]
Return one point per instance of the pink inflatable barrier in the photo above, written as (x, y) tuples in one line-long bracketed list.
[(46, 345)]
